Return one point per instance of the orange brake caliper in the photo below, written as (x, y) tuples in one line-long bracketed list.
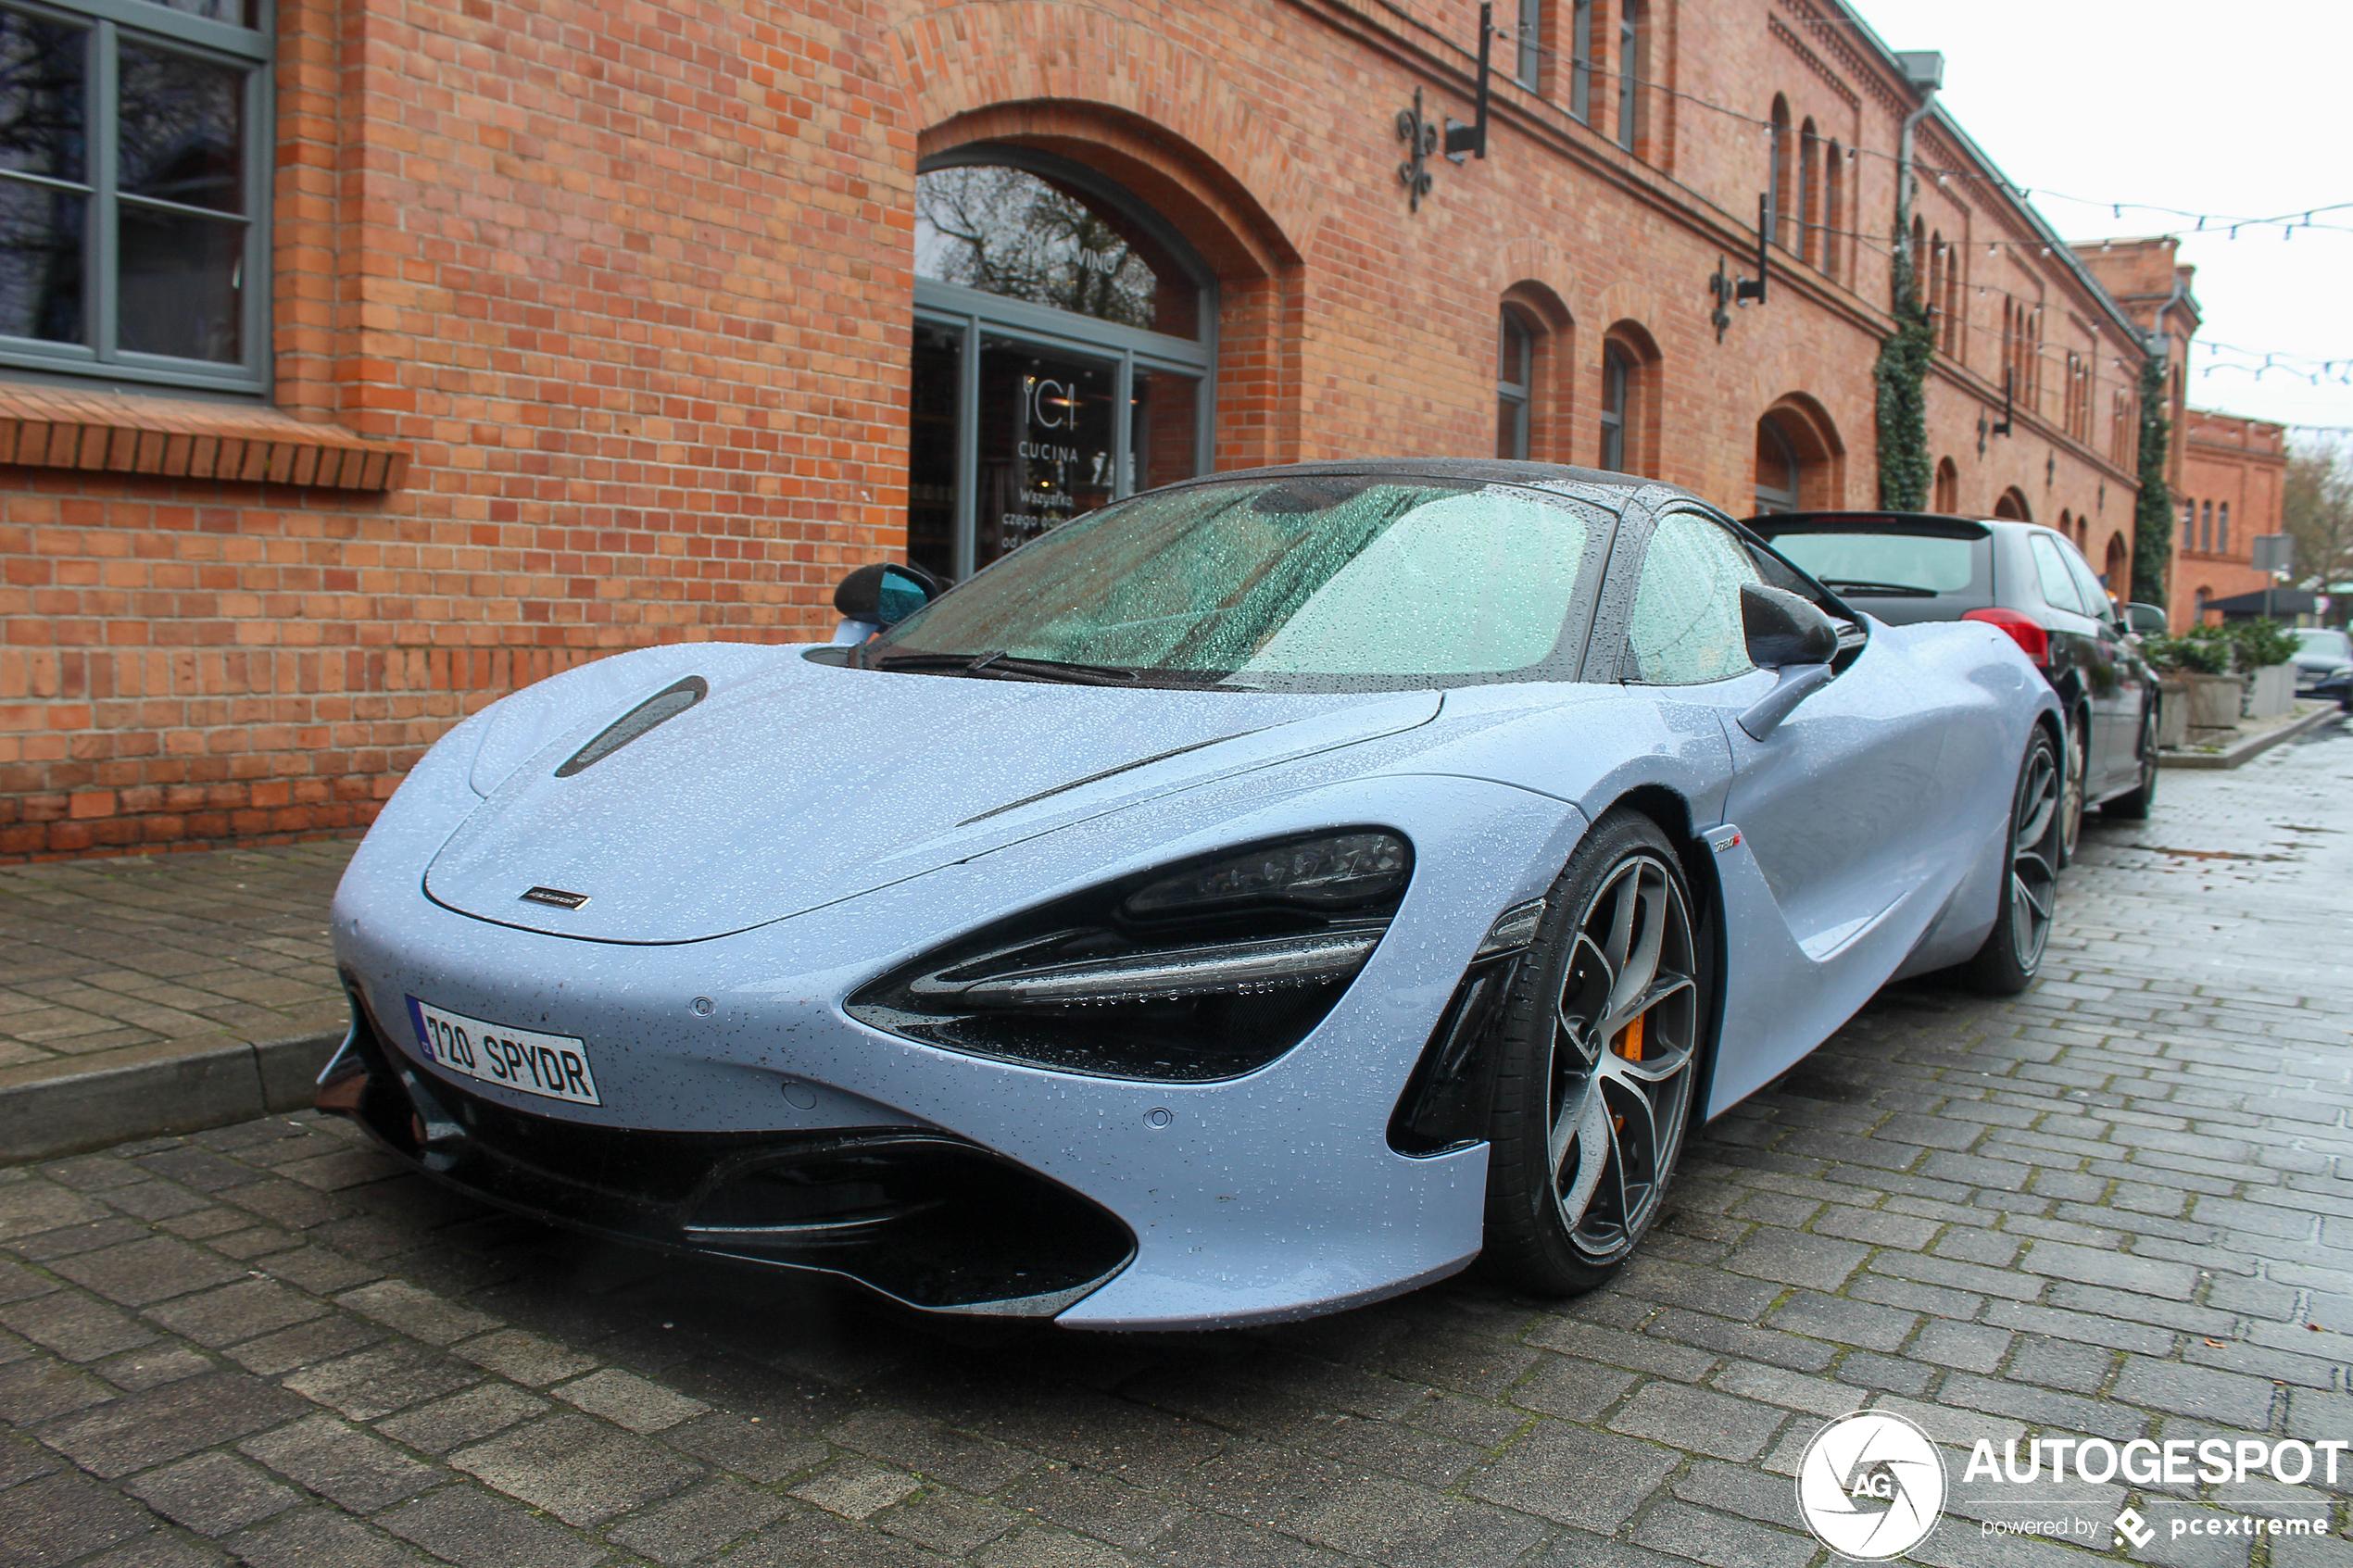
[(1629, 1045)]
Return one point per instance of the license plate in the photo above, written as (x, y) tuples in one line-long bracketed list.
[(551, 1066)]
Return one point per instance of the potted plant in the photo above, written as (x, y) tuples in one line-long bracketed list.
[(2198, 692), (2262, 650)]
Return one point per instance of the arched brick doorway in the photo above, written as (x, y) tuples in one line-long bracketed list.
[(1800, 463), (2012, 504)]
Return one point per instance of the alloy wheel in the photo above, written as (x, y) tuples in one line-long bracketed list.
[(2033, 877), (2079, 763), (1624, 1036)]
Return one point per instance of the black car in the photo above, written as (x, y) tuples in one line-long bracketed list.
[(2324, 665), (2030, 582)]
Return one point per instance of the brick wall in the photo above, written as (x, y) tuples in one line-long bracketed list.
[(2227, 461), (628, 285)]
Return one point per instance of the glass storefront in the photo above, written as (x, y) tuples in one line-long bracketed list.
[(1047, 302)]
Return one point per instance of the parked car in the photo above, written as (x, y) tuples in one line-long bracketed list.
[(2324, 665), (1906, 568), (1258, 897)]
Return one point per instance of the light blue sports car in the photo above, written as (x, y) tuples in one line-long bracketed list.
[(1257, 897)]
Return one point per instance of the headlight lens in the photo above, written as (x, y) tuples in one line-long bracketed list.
[(1207, 970)]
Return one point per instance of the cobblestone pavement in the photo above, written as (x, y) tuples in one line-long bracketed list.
[(2113, 1207), (137, 955)]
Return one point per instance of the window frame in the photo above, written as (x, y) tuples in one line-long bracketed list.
[(1515, 399), (1580, 59), (98, 356), (1527, 58), (1618, 369)]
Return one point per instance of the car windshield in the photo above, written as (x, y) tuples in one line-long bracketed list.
[(2319, 641), (1302, 582), (1859, 562)]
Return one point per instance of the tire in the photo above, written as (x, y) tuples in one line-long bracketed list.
[(2012, 955), (1597, 1063), (2079, 769), (2134, 806)]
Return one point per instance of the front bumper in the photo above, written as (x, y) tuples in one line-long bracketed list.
[(2337, 689), (1139, 1204), (930, 1221)]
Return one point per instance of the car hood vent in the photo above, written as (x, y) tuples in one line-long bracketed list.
[(782, 793)]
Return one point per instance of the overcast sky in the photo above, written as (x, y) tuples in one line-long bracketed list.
[(2237, 109)]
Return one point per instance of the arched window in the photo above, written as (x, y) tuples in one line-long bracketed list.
[(1062, 353), (1948, 488), (2223, 529), (1527, 58), (2205, 597), (1776, 469), (1633, 69), (2119, 574), (1934, 298), (1619, 372), (2012, 504), (1580, 61), (1515, 384), (1953, 336), (1809, 194), (1833, 208), (2067, 526), (2206, 528), (1800, 461), (1777, 176), (2189, 526)]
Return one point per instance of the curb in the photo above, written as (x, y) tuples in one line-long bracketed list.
[(2252, 747), (68, 1107)]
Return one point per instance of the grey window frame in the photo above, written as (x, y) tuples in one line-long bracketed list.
[(1630, 30), (1516, 339), (1617, 379), (97, 357), (1527, 57), (1580, 59), (1127, 350)]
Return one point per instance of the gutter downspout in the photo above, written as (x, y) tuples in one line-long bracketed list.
[(1904, 180)]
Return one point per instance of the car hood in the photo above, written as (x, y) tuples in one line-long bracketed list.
[(804, 785)]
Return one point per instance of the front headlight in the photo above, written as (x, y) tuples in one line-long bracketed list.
[(1205, 970)]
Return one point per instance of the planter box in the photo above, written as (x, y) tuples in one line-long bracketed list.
[(2172, 711), (2214, 701), (2271, 692)]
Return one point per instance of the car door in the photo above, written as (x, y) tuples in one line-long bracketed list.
[(2077, 644), (1833, 819), (2131, 697)]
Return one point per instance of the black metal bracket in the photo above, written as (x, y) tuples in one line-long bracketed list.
[(2050, 470), (2009, 377), (1982, 426), (1754, 288), (1720, 287), (1421, 140), (1727, 290), (1470, 141)]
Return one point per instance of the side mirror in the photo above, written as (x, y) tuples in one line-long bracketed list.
[(2145, 619), (885, 592), (1782, 627)]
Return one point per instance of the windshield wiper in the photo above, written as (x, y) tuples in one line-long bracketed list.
[(999, 666), (1888, 590)]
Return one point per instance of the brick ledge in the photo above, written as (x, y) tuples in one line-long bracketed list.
[(62, 428)]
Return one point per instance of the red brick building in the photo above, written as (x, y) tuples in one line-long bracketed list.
[(2233, 488), (365, 362)]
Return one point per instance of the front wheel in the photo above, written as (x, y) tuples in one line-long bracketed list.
[(1597, 1065), (2012, 955)]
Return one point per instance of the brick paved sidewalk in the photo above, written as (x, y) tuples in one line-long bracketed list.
[(2115, 1207), (166, 952)]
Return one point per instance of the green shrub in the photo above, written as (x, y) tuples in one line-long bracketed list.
[(2255, 643), (2193, 654)]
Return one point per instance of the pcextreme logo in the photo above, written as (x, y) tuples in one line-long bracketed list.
[(1871, 1485)]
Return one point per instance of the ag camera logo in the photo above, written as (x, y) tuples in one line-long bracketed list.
[(1871, 1485)]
